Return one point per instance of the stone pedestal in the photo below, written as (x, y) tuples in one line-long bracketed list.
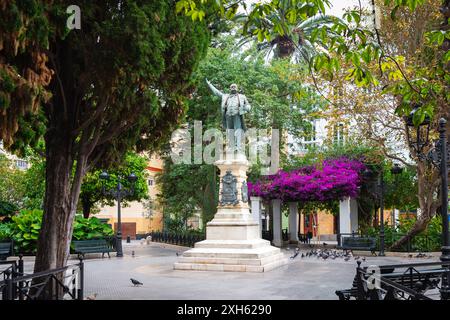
[(233, 241)]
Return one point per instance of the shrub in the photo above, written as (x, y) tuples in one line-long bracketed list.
[(7, 210), (25, 230), (91, 228), (25, 227), (5, 231), (428, 240)]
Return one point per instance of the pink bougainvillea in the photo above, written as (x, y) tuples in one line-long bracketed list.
[(335, 179)]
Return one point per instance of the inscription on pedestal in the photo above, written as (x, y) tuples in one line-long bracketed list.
[(229, 189)]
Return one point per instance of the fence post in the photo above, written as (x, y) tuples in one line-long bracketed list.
[(21, 296), (9, 286), (81, 280)]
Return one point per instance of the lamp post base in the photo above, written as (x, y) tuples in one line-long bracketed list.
[(445, 256), (119, 247)]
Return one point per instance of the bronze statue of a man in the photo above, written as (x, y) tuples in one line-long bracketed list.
[(234, 106)]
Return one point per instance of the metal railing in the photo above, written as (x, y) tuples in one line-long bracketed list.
[(61, 283), (417, 281), (187, 240), (418, 243)]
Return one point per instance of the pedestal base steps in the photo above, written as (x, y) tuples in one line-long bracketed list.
[(232, 255)]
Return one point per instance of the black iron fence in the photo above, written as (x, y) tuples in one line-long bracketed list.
[(418, 243), (419, 281), (187, 240), (65, 283), (268, 235)]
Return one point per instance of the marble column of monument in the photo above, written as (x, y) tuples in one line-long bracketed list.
[(233, 239)]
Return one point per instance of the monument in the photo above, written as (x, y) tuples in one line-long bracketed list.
[(233, 240)]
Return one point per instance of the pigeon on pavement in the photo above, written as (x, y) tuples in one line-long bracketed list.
[(92, 296), (135, 282)]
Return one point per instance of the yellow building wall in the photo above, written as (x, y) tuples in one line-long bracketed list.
[(326, 223)]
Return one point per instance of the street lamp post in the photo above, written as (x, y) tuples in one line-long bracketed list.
[(438, 156), (118, 193), (396, 170), (444, 189), (381, 190)]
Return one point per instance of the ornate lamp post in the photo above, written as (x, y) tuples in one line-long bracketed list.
[(381, 192), (438, 156), (396, 170), (118, 193)]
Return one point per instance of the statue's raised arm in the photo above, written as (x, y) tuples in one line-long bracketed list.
[(216, 91)]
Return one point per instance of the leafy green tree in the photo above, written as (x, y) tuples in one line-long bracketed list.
[(117, 84), (11, 188), (91, 189)]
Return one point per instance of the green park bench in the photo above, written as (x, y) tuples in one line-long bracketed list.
[(6, 249), (359, 243), (92, 246)]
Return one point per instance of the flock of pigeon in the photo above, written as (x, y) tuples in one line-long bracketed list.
[(327, 254), (343, 254)]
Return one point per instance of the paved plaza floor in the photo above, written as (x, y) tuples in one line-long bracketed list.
[(303, 278), (152, 264)]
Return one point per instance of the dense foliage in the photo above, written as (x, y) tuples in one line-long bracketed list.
[(428, 240), (25, 226)]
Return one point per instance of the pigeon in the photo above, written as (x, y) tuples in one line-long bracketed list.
[(135, 282), (410, 255), (296, 254), (132, 253), (303, 255), (356, 258), (92, 296), (324, 256), (325, 244), (364, 259), (177, 254), (347, 258)]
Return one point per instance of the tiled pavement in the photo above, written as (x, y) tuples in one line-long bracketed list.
[(307, 278), (302, 278)]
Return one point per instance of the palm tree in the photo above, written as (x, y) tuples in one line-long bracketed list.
[(291, 40)]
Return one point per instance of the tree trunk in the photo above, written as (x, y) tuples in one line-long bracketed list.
[(418, 227), (428, 183), (61, 196)]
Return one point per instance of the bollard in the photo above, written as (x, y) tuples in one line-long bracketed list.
[(128, 239)]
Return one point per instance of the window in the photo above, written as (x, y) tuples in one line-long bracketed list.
[(21, 164), (310, 135), (338, 134), (151, 182)]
